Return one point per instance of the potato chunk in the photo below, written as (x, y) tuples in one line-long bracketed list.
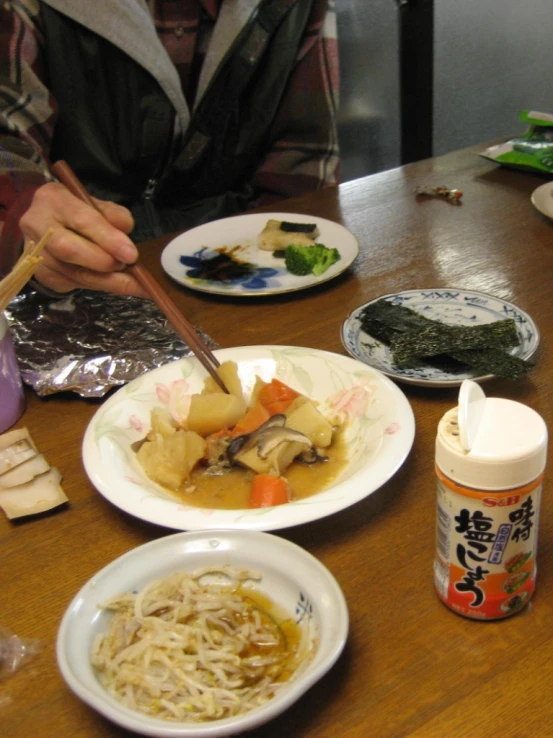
[(305, 418), (228, 371), (162, 422), (277, 461), (211, 412), (169, 460)]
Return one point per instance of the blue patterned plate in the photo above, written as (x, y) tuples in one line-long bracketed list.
[(458, 307), (184, 256)]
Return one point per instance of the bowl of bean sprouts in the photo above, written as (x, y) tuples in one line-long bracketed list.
[(202, 634)]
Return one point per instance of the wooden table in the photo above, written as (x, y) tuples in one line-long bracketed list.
[(411, 666)]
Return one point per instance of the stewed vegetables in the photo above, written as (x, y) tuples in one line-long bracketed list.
[(226, 441)]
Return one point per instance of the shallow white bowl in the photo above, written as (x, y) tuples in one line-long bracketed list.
[(291, 577), (380, 433)]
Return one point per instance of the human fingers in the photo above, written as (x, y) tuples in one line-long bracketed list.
[(83, 236), (63, 277), (118, 215)]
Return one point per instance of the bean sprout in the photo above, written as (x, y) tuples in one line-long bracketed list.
[(183, 649)]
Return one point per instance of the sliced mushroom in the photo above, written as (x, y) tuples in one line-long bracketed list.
[(244, 443), (273, 437)]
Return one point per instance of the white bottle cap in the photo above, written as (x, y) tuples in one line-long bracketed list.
[(508, 448)]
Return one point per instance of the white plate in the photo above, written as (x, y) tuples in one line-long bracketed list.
[(291, 577), (542, 199), (380, 435), (458, 307), (239, 234)]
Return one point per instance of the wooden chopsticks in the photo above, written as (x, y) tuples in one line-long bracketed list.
[(149, 284), (23, 270)]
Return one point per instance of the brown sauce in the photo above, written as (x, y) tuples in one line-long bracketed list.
[(289, 649), (231, 491)]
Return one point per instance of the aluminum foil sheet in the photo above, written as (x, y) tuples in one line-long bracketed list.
[(89, 342)]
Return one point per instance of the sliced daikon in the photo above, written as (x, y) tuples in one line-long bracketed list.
[(16, 447), (24, 472), (42, 493)]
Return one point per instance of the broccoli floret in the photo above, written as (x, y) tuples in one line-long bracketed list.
[(325, 258), (299, 259), (302, 260)]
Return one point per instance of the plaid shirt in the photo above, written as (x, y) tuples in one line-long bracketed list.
[(304, 152)]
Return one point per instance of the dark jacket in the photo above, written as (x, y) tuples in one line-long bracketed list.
[(124, 146)]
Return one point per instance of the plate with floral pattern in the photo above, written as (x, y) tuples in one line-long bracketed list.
[(379, 434), (244, 270), (457, 307)]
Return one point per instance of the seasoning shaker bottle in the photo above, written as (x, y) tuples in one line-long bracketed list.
[(490, 459)]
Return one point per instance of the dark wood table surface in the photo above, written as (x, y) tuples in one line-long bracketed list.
[(411, 667)]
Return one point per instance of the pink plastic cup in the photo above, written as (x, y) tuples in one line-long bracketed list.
[(12, 396)]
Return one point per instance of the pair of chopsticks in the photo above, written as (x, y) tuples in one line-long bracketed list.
[(23, 270), (182, 326)]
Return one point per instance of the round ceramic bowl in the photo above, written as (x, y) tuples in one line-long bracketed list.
[(379, 435), (294, 580)]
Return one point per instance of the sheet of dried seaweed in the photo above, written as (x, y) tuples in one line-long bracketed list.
[(397, 318), (495, 361), (440, 338), (387, 322), (298, 227)]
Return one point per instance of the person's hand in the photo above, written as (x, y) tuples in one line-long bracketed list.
[(87, 249)]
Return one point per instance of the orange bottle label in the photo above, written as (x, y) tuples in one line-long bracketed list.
[(485, 565)]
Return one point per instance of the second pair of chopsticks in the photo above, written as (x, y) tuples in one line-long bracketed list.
[(23, 270), (182, 326)]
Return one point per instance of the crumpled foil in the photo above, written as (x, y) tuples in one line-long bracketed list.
[(89, 342)]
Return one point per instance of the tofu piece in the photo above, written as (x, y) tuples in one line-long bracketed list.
[(273, 238)]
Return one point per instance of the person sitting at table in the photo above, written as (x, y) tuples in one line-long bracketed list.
[(171, 112)]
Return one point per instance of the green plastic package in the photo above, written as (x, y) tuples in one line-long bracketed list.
[(532, 151)]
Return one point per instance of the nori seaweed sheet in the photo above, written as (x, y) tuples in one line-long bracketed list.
[(389, 323), (394, 317), (297, 227), (494, 361), (444, 339)]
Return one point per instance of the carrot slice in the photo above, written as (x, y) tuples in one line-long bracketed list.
[(254, 417), (268, 491), (276, 396)]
